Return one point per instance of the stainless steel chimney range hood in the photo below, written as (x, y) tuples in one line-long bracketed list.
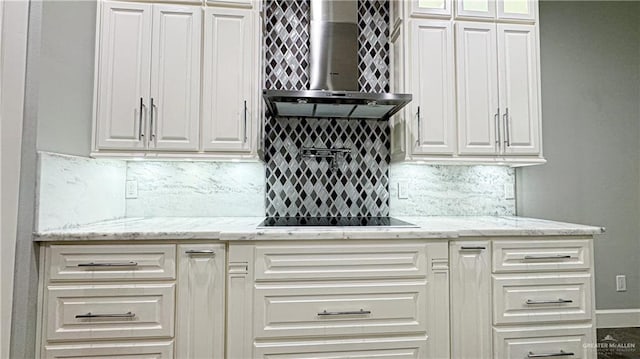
[(334, 72)]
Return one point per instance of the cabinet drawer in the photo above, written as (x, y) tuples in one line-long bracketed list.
[(331, 261), (536, 342), (536, 299), (142, 350), (379, 348), (541, 255), (110, 311), (351, 308), (112, 262)]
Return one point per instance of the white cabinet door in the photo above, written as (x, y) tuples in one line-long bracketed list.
[(485, 9), (433, 86), (229, 65), (477, 71), (200, 301), (175, 77), (519, 85), (525, 10), (439, 8), (470, 299), (123, 75)]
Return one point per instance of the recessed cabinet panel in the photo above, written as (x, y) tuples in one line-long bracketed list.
[(229, 51), (298, 309), (519, 85), (539, 299), (108, 311), (111, 262), (200, 301), (485, 9), (175, 90), (328, 261), (439, 8), (470, 299), (545, 342), (123, 75), (414, 347), (477, 71), (525, 10), (433, 87), (111, 350), (541, 255)]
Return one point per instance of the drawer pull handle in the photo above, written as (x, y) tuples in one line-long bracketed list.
[(561, 353), (560, 256), (353, 312), (473, 248), (557, 301), (200, 251), (91, 315), (115, 264)]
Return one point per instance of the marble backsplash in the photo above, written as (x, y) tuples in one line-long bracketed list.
[(76, 190), (451, 190), (198, 189)]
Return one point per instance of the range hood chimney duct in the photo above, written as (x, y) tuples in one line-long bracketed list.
[(334, 72)]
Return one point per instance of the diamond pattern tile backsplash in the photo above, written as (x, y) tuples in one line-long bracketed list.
[(358, 183)]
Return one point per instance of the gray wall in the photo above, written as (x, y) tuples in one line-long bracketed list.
[(66, 77), (590, 53)]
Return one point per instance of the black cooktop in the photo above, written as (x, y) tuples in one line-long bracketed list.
[(334, 222)]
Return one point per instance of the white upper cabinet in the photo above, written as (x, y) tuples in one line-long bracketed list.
[(476, 9), (439, 8), (123, 75), (477, 70), (523, 10), (519, 88), (433, 87), (148, 77), (175, 90), (229, 85)]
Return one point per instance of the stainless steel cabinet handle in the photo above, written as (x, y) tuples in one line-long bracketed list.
[(245, 121), (496, 119), (354, 312), (472, 248), (561, 353), (141, 110), (91, 315), (115, 264), (419, 140), (556, 301), (151, 127), (559, 256), (507, 130), (200, 251)]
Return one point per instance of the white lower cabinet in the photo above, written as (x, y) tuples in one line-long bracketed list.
[(200, 307), (357, 309), (470, 299), (133, 350), (524, 297), (545, 342)]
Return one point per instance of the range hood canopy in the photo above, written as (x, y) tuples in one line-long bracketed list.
[(334, 72)]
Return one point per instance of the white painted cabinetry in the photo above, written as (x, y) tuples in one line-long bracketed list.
[(338, 300), (229, 86), (148, 77), (470, 299), (123, 75), (170, 84), (474, 76), (200, 301), (433, 104)]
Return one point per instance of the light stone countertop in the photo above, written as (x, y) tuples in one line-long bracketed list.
[(244, 228)]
